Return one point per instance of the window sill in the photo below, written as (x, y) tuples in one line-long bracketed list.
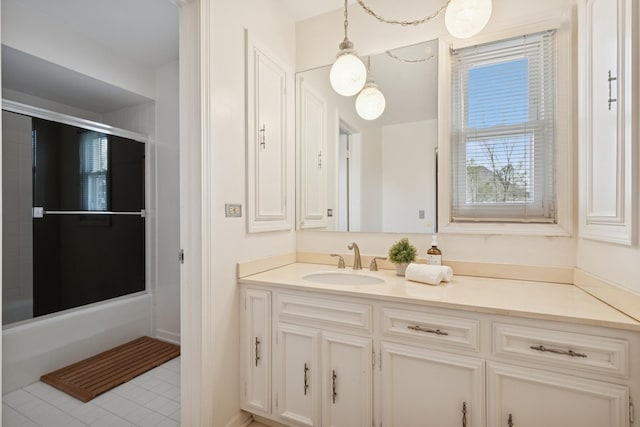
[(504, 229)]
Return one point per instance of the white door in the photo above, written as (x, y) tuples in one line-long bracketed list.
[(347, 386), (429, 388), (298, 375), (524, 397), (255, 351)]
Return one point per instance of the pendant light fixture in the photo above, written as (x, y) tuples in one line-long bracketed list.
[(466, 18), (370, 102), (348, 74)]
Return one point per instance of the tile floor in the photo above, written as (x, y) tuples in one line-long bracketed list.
[(151, 399)]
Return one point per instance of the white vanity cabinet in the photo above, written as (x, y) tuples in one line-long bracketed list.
[(298, 375), (255, 350), (527, 397), (363, 361), (426, 387), (337, 380)]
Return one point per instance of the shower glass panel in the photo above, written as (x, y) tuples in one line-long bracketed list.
[(88, 226)]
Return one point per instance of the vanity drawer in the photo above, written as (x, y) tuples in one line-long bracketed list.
[(582, 352), (321, 312), (431, 328)]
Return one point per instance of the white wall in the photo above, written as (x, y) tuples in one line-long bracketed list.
[(316, 45), (268, 23), (372, 181), (167, 294), (408, 176)]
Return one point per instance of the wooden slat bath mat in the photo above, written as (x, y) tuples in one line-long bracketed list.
[(91, 377)]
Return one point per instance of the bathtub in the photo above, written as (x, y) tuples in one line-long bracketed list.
[(16, 311), (35, 347)]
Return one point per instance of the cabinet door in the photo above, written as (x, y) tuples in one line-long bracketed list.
[(430, 388), (312, 146), (347, 385), (298, 375), (525, 397), (267, 136), (607, 156), (256, 351)]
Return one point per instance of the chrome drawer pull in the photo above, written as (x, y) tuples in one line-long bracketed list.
[(306, 379), (464, 414), (429, 331), (334, 377), (563, 352), (257, 350)]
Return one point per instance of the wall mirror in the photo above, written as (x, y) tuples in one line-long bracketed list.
[(377, 175)]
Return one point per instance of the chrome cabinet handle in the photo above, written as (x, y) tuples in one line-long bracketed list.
[(429, 331), (510, 421), (257, 350), (334, 377), (551, 350), (263, 137), (610, 100), (464, 414), (306, 379)]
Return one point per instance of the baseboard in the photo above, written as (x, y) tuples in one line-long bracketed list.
[(242, 419), (248, 268), (171, 337), (267, 422), (616, 296)]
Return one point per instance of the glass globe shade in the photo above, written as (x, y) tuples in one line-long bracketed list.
[(466, 18), (348, 74), (370, 102)]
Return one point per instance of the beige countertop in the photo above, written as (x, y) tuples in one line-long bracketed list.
[(538, 300)]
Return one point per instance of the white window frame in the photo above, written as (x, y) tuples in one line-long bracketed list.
[(565, 72)]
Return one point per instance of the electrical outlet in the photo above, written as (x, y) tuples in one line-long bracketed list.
[(233, 210), (330, 212), (421, 214)]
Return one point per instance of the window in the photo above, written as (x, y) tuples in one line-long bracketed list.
[(94, 166), (503, 131)]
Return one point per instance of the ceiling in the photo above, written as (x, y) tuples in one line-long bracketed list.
[(305, 9), (143, 33)]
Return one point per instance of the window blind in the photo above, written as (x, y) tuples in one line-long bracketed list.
[(503, 130), (94, 167)]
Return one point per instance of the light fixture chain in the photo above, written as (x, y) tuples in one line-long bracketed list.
[(402, 23), (346, 19), (409, 61)]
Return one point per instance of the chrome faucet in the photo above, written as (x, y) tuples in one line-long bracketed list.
[(357, 261)]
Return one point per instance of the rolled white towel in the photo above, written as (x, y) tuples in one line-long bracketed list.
[(430, 274)]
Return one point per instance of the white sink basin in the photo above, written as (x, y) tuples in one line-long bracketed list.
[(342, 278)]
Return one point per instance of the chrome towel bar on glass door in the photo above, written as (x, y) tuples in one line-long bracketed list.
[(141, 213)]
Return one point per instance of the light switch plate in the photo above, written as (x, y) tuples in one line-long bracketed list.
[(233, 210)]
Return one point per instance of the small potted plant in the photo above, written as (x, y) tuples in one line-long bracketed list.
[(401, 254)]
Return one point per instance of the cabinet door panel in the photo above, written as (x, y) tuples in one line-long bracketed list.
[(537, 398), (256, 350), (347, 386), (607, 156), (298, 375), (312, 131), (429, 388), (267, 136)]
